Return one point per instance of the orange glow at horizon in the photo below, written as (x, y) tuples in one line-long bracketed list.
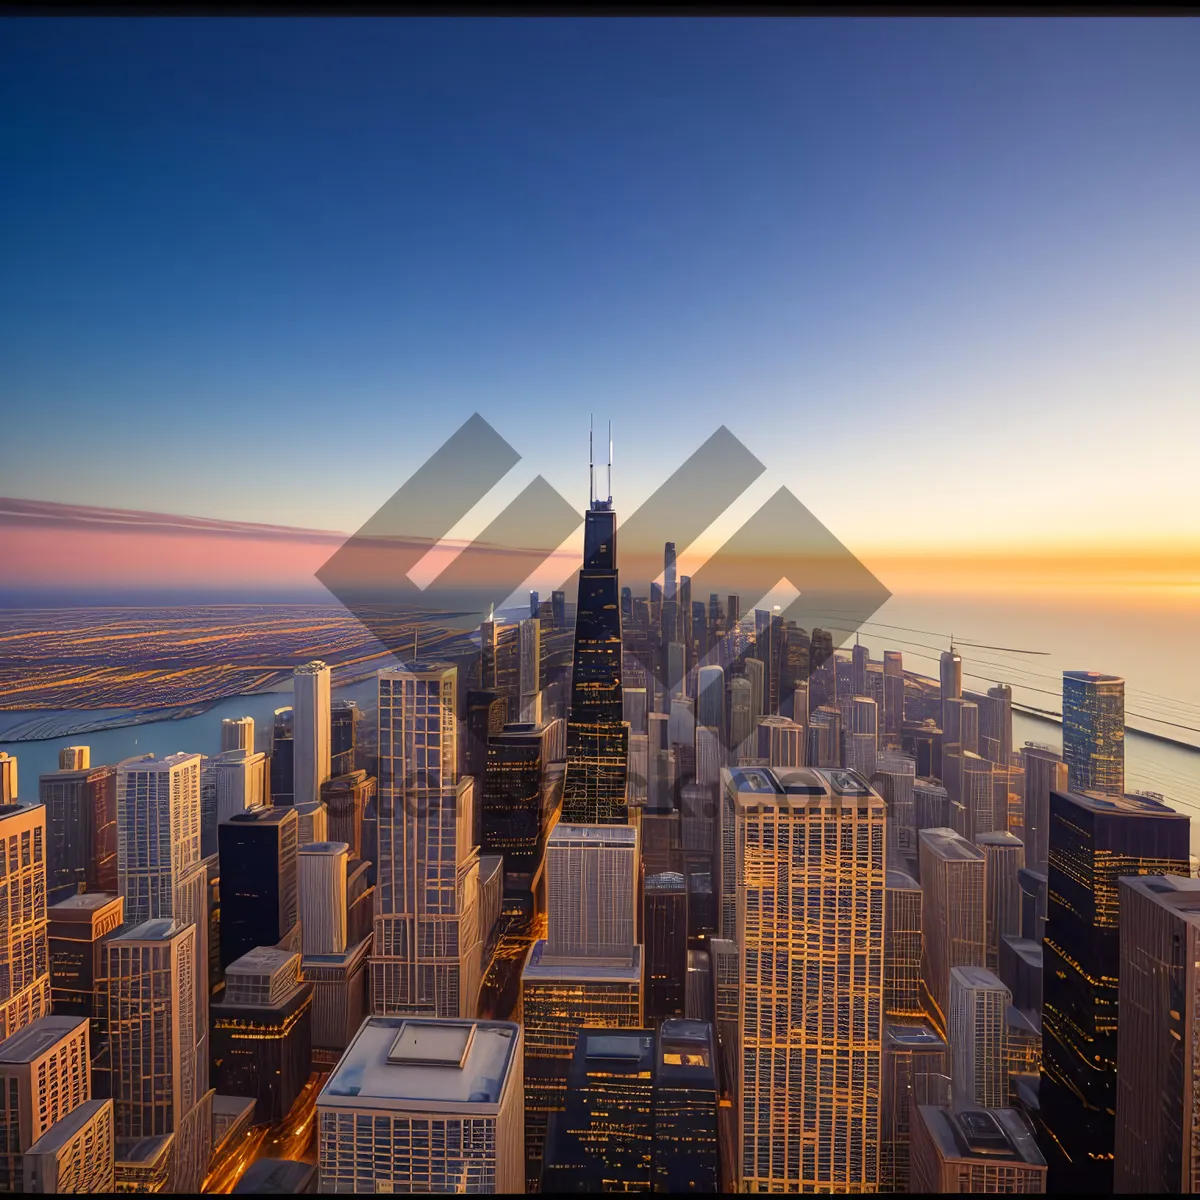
[(50, 556)]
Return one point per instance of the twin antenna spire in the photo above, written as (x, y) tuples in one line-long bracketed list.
[(592, 463)]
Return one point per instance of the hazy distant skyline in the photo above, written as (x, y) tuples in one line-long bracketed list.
[(940, 275)]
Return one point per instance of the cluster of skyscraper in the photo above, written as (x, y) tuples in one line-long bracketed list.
[(673, 897)]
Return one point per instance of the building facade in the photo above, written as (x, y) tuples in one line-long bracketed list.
[(953, 883), (427, 937), (1094, 731), (811, 974), (24, 949), (1158, 1079), (420, 1105), (1094, 840)]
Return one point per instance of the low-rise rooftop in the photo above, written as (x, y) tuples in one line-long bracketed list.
[(326, 848), (1127, 804), (82, 903), (605, 835), (422, 1063), (157, 929), (542, 966), (65, 1128), (37, 1037), (982, 1134), (952, 847), (915, 1036)]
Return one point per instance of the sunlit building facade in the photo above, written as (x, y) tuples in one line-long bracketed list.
[(954, 889), (1045, 772), (75, 1155), (237, 733), (24, 949), (419, 1105), (150, 1001), (44, 1076), (160, 869), (1005, 855), (77, 929), (310, 731), (346, 798), (974, 1150), (902, 948), (978, 1029), (811, 882), (427, 937)]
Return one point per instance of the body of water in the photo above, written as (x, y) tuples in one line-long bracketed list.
[(1157, 652)]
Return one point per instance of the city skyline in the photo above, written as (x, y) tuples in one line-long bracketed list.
[(816, 816)]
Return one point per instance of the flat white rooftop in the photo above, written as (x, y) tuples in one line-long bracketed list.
[(541, 966), (424, 1064), (595, 835)]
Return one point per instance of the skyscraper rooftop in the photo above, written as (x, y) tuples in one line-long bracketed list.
[(26, 1044), (410, 1062)]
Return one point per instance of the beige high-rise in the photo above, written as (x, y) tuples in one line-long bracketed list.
[(44, 1075), (953, 888), (810, 884), (310, 731), (24, 950), (428, 944), (149, 1003), (978, 1029)]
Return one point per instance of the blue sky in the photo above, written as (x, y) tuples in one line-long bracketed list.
[(942, 276)]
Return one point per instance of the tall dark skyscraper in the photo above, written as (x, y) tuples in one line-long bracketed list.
[(664, 928), (259, 902), (670, 597), (685, 1108), (516, 796), (344, 716), (558, 607), (1094, 840), (603, 1141), (597, 738)]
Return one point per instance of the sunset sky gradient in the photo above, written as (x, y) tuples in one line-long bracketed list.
[(941, 276)]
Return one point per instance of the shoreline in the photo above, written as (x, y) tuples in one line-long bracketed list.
[(82, 724)]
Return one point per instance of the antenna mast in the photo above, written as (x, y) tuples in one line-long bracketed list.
[(610, 464), (591, 463)]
